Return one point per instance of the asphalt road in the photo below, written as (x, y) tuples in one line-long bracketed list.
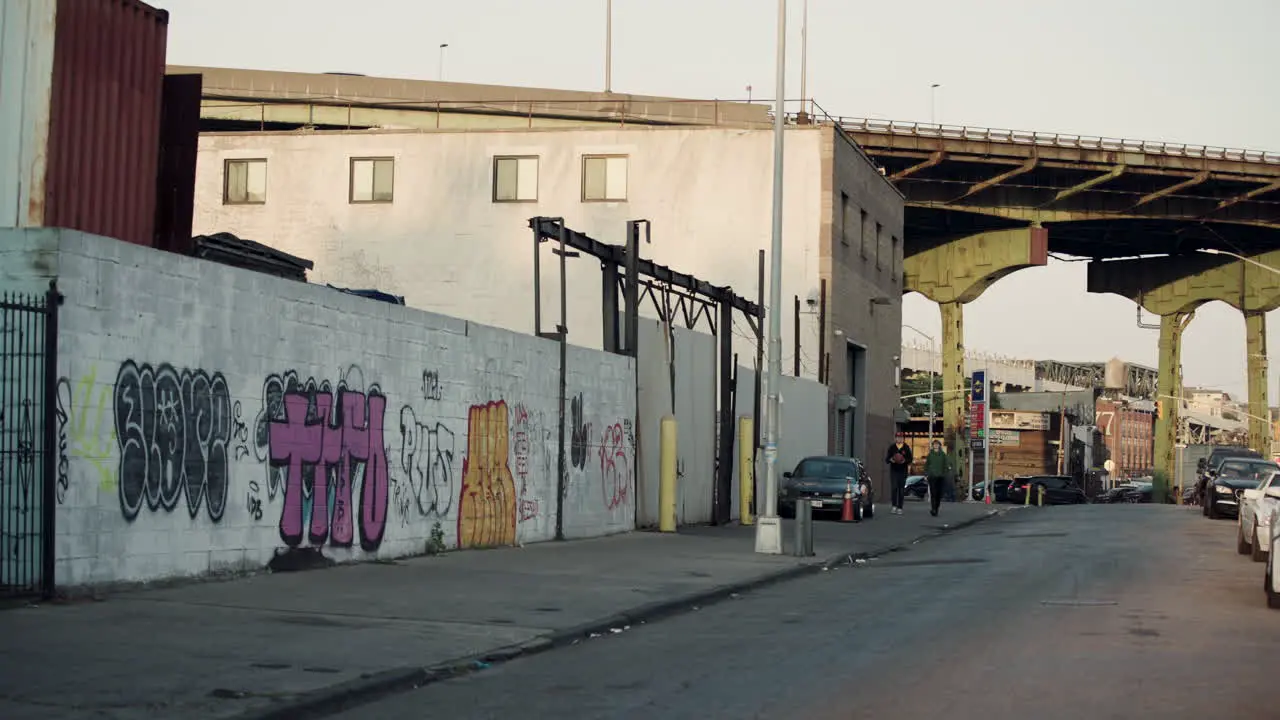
[(1131, 611)]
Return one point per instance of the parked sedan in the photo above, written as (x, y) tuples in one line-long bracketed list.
[(821, 481), (1271, 581), (1254, 519), (1058, 490), (1228, 483)]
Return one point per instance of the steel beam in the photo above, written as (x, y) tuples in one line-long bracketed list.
[(1269, 187), (1170, 395), (1025, 167), (933, 159), (960, 270), (1115, 172), (1176, 187), (953, 387)]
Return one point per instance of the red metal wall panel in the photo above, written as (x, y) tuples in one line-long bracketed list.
[(104, 124)]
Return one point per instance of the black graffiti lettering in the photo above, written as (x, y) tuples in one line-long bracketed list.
[(581, 432), (430, 385), (426, 459), (174, 431)]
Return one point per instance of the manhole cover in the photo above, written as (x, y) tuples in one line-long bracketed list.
[(925, 563), (1079, 603)]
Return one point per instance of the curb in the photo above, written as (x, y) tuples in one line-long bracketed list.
[(343, 696)]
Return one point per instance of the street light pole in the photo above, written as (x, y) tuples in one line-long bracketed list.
[(933, 103), (768, 527), (608, 46), (440, 66)]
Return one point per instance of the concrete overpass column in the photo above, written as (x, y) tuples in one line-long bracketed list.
[(1255, 327), (1169, 392), (954, 384), (955, 273)]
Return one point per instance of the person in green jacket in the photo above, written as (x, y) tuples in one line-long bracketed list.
[(937, 467)]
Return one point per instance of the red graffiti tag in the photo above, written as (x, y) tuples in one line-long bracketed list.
[(615, 469)]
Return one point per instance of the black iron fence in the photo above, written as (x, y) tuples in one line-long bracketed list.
[(28, 432)]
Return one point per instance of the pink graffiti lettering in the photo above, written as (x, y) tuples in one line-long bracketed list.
[(326, 452), (615, 470)]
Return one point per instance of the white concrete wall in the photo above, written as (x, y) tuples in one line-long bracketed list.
[(682, 366), (191, 406), (447, 247), (803, 424)]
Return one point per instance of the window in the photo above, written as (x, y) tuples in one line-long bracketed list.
[(862, 224), (893, 256), (604, 178), (372, 180), (515, 179), (879, 259), (845, 233), (244, 182)]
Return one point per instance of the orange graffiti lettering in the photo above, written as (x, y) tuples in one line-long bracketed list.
[(487, 509)]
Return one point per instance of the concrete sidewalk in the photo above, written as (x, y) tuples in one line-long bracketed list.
[(280, 644)]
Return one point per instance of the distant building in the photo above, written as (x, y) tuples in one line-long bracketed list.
[(428, 194), (1128, 434)]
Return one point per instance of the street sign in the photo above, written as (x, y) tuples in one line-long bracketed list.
[(979, 387)]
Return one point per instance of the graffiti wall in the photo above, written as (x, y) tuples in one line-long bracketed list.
[(214, 419)]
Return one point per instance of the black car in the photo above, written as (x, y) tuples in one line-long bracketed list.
[(821, 481), (1058, 490), (1213, 461), (1227, 483), (999, 489)]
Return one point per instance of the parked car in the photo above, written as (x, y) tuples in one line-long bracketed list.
[(999, 490), (1209, 464), (821, 481), (1271, 581), (1227, 483), (1253, 522), (917, 487), (1058, 490)]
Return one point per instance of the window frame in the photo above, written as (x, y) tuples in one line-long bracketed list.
[(605, 156), (537, 175), (226, 180), (351, 179)]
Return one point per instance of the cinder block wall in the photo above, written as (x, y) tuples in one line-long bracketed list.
[(211, 419)]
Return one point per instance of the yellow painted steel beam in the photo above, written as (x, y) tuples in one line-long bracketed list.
[(1269, 187), (1255, 325), (1025, 167), (1190, 182), (933, 159), (959, 271), (1115, 172), (1049, 215)]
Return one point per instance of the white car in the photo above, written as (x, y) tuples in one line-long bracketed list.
[(1253, 523), (1271, 582)]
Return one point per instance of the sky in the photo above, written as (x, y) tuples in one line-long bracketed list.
[(1164, 70)]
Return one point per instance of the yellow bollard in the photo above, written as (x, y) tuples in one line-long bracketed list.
[(1026, 501), (746, 470), (667, 476), (1040, 498)]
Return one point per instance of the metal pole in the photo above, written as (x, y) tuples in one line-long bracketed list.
[(608, 47), (804, 57), (933, 103), (769, 529), (440, 67), (986, 446), (563, 329)]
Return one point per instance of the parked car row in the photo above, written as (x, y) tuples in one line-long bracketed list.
[(1058, 490), (1240, 483)]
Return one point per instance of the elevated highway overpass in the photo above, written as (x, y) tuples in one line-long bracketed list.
[(983, 203)]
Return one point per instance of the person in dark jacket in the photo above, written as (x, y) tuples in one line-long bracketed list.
[(937, 467), (899, 459)]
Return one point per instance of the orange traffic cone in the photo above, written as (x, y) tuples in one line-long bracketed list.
[(846, 513)]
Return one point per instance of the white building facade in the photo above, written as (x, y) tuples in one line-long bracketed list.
[(441, 217)]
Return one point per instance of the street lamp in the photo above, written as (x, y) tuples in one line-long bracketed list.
[(768, 526), (1251, 261), (608, 46), (440, 64), (933, 103)]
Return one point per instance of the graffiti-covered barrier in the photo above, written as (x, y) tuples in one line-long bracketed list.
[(216, 419)]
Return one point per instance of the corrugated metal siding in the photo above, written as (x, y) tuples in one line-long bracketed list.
[(104, 118), (26, 70)]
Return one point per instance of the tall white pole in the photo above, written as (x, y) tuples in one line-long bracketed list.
[(986, 446), (440, 66), (608, 46), (768, 527), (804, 58)]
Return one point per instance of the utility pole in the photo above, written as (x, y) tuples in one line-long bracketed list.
[(440, 66), (608, 46), (768, 527), (804, 59)]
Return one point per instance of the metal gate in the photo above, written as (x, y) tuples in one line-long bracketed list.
[(28, 432)]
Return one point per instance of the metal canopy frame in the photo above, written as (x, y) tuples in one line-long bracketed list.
[(673, 295)]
